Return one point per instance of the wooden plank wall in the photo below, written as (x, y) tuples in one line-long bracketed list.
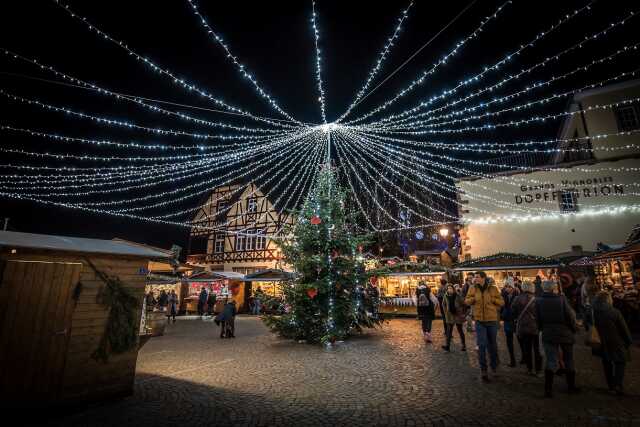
[(84, 378)]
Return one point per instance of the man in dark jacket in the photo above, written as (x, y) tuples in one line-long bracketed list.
[(557, 322), (506, 314), (227, 319), (211, 302), (202, 301), (615, 340)]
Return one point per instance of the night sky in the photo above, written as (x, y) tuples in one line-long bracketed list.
[(275, 41)]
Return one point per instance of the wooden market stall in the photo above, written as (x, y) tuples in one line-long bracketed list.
[(398, 289), (225, 284), (619, 271), (503, 266), (55, 316), (267, 281)]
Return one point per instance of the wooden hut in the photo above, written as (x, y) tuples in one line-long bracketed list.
[(54, 317)]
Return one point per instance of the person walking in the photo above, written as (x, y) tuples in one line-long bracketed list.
[(588, 291), (257, 304), (173, 306), (202, 300), (228, 319), (506, 314), (454, 315), (485, 300), (150, 301), (163, 300), (426, 304), (442, 290), (557, 323), (615, 340), (526, 327), (211, 303)]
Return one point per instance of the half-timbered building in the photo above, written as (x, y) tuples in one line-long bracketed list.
[(231, 228)]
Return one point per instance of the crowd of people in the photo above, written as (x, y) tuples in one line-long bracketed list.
[(539, 316)]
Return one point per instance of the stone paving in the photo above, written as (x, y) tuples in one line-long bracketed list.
[(388, 377)]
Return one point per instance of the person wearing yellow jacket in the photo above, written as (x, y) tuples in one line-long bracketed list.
[(485, 299)]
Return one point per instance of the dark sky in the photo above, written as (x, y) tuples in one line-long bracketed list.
[(274, 40)]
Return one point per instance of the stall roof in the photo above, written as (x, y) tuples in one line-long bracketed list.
[(627, 250), (409, 273), (507, 261), (269, 275), (13, 239), (208, 276)]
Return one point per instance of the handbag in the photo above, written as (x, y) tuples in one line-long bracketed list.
[(592, 339)]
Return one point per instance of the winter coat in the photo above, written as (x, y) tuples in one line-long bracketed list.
[(556, 319), (526, 323), (163, 300), (428, 311), (485, 302), (228, 312), (615, 337), (461, 310), (202, 299), (212, 299), (506, 312)]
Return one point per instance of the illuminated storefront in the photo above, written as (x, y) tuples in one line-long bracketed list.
[(398, 290), (505, 267)]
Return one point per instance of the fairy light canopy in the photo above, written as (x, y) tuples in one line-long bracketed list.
[(427, 111)]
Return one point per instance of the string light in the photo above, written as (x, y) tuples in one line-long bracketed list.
[(316, 35)]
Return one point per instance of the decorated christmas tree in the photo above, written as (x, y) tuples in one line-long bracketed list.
[(330, 297)]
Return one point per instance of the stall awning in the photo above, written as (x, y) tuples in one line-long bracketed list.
[(625, 251), (212, 276), (269, 275), (507, 261)]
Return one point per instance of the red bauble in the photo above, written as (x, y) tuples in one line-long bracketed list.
[(359, 248), (335, 254), (315, 220), (312, 292), (373, 280)]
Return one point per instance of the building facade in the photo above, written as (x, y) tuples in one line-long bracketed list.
[(581, 198), (231, 228)]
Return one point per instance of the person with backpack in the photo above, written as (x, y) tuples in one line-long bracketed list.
[(454, 315), (526, 327), (426, 302)]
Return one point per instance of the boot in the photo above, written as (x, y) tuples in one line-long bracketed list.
[(548, 383), (446, 348), (571, 382)]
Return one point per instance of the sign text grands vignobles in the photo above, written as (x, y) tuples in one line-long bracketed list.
[(591, 187)]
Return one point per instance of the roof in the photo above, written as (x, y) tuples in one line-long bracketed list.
[(13, 239), (437, 252), (269, 275), (210, 276), (624, 251), (411, 273), (507, 261)]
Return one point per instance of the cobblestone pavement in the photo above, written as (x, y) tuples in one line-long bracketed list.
[(388, 377)]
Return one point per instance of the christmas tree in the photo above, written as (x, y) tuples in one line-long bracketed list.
[(330, 298)]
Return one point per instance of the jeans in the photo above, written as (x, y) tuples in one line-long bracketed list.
[(449, 333), (508, 333), (426, 323), (256, 307), (551, 354), (486, 338), (614, 373), (531, 351)]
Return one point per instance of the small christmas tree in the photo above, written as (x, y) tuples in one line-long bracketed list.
[(330, 298)]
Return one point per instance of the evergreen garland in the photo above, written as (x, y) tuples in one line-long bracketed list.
[(121, 333)]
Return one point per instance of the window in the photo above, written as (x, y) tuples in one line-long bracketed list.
[(249, 241), (260, 239), (252, 204), (240, 238), (628, 118), (568, 201), (218, 246)]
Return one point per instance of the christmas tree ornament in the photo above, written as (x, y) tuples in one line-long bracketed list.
[(312, 292), (315, 220)]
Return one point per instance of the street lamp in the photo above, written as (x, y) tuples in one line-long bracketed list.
[(444, 232)]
